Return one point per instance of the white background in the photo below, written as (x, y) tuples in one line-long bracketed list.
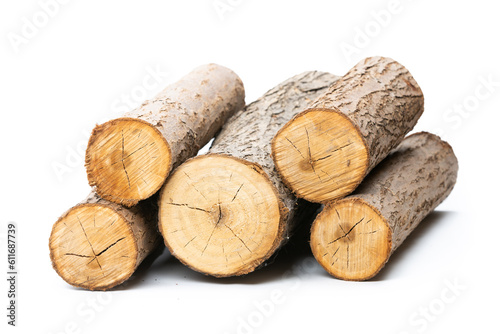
[(76, 69)]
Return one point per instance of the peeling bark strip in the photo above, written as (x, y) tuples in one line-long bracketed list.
[(354, 237), (324, 152), (98, 244), (225, 213), (129, 158)]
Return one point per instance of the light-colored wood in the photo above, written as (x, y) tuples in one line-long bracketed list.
[(326, 146), (354, 237), (206, 209), (324, 152), (129, 158), (225, 213), (98, 244)]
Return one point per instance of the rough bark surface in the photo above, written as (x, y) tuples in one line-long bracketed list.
[(190, 112), (129, 158), (410, 183), (381, 98), (140, 224), (354, 237), (248, 134), (324, 152), (226, 212)]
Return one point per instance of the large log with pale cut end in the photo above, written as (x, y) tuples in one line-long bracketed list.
[(98, 244), (354, 237), (325, 152), (225, 213), (129, 158)]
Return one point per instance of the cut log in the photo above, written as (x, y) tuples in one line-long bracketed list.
[(353, 238), (98, 244), (224, 213), (324, 152), (129, 158)]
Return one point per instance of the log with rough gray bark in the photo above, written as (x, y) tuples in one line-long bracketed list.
[(98, 244), (353, 238), (129, 158), (324, 152), (225, 213)]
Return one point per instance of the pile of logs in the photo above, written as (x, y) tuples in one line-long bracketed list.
[(314, 138)]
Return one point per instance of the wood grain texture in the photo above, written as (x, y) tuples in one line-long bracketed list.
[(226, 212), (353, 238), (325, 151), (98, 244), (129, 158)]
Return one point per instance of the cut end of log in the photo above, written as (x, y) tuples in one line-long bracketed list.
[(320, 155), (220, 215), (351, 240), (93, 247), (127, 160)]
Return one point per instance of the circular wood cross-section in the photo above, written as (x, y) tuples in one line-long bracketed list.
[(93, 247), (320, 155), (220, 215), (127, 160), (351, 240)]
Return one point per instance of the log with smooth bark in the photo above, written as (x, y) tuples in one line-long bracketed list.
[(98, 244), (129, 158), (353, 238), (325, 151), (225, 213)]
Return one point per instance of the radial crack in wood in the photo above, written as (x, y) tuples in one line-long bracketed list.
[(325, 151), (129, 158), (98, 244), (353, 238), (244, 212)]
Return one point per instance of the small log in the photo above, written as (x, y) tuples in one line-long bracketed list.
[(225, 213), (354, 237), (129, 158), (325, 151), (98, 244)]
